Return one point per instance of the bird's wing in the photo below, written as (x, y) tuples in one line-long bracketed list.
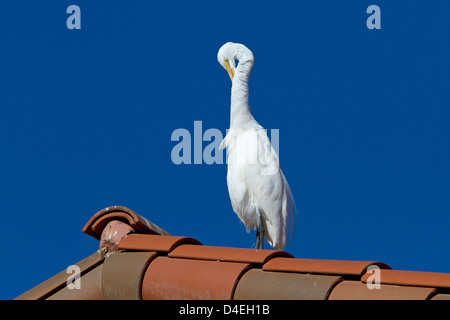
[(271, 192), (240, 199), (267, 156), (228, 138)]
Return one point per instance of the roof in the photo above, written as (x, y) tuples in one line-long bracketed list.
[(140, 261)]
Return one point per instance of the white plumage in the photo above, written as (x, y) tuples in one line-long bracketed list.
[(259, 192)]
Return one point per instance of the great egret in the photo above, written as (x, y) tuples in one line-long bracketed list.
[(259, 192)]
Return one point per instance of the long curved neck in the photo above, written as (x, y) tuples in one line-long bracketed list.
[(241, 116)]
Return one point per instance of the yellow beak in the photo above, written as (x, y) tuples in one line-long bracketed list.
[(230, 71)]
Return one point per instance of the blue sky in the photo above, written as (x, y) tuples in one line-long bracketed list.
[(87, 116)]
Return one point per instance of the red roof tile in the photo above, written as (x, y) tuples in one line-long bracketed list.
[(169, 278), (441, 297), (226, 254), (96, 224), (122, 274), (57, 282), (149, 242), (257, 284), (356, 290), (91, 287), (413, 278), (138, 260), (339, 267), (112, 233)]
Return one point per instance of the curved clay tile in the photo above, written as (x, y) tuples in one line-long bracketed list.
[(356, 290), (178, 279), (98, 221), (226, 254), (150, 242), (122, 274), (257, 284), (318, 266), (412, 278)]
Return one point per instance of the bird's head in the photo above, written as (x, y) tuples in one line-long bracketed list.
[(226, 58), (229, 53)]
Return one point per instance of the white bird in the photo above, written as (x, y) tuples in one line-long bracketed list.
[(259, 192)]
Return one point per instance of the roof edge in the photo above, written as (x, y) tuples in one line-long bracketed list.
[(57, 282)]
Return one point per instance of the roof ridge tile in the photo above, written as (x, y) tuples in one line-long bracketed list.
[(321, 266), (412, 278), (231, 254), (150, 242), (98, 221)]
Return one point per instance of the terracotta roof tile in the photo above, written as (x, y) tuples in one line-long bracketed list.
[(96, 224), (112, 233), (57, 282), (356, 290), (90, 288), (257, 284), (169, 278), (149, 242), (138, 260), (226, 254), (413, 278), (318, 266), (441, 297), (122, 274)]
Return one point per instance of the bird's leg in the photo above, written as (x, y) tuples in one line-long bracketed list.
[(257, 239), (260, 232)]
